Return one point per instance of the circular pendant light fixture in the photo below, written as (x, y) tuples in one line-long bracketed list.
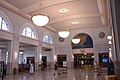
[(63, 33), (40, 20), (75, 41)]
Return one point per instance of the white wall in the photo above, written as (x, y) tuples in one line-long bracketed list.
[(99, 45), (49, 55), (28, 54)]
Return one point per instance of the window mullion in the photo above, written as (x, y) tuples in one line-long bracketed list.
[(1, 23), (25, 31)]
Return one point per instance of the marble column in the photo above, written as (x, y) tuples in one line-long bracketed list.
[(54, 59), (13, 50), (38, 56)]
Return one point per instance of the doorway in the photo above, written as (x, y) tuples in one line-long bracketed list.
[(44, 62), (61, 59), (30, 59), (87, 59)]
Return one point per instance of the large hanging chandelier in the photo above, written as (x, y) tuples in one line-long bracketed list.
[(63, 33), (75, 41), (40, 19)]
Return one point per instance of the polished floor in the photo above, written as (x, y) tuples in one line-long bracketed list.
[(65, 74)]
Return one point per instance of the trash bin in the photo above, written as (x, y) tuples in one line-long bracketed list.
[(111, 77), (15, 71)]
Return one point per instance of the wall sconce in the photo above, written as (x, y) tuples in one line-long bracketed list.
[(72, 56), (55, 58), (109, 42), (109, 37), (15, 55), (110, 53), (40, 57), (21, 53)]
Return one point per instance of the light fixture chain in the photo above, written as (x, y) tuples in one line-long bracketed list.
[(40, 6)]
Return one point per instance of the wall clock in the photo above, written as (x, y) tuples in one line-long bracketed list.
[(101, 35)]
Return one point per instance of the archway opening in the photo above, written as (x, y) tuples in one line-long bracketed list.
[(83, 51)]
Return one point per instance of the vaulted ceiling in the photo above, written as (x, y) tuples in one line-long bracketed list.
[(81, 13)]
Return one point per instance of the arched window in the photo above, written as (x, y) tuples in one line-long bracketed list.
[(47, 39), (29, 32), (85, 41), (3, 24)]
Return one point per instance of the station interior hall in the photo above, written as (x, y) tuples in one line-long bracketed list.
[(59, 40)]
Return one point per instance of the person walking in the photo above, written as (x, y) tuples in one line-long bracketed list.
[(56, 68), (82, 64), (31, 68)]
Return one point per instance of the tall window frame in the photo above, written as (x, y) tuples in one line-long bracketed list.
[(47, 38), (28, 32), (3, 24)]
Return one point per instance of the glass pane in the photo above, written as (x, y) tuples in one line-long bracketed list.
[(44, 39), (46, 36), (28, 29), (47, 39), (50, 40), (0, 21), (33, 36), (4, 25), (23, 33), (28, 34)]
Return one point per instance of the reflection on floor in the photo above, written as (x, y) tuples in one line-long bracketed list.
[(69, 74)]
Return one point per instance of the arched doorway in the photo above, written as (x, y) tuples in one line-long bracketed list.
[(83, 51)]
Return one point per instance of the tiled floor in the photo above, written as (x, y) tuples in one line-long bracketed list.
[(70, 74)]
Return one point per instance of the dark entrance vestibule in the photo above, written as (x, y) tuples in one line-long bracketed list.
[(88, 59)]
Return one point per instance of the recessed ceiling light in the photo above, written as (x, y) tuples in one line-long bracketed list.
[(75, 22), (63, 10)]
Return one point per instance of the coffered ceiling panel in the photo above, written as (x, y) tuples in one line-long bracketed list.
[(20, 4), (91, 22), (74, 7)]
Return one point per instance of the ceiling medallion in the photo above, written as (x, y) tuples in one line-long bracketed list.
[(63, 10), (101, 35), (61, 39)]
